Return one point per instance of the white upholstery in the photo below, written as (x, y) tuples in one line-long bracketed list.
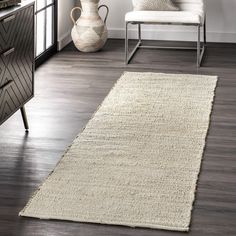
[(161, 17), (191, 12)]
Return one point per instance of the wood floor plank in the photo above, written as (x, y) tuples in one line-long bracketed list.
[(69, 88)]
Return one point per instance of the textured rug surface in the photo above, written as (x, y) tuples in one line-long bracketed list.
[(137, 161)]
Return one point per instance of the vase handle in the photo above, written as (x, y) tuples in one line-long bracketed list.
[(106, 13), (72, 12)]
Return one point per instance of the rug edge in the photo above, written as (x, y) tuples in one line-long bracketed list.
[(112, 223), (172, 74), (194, 197)]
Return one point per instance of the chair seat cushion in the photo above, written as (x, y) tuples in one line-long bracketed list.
[(164, 17)]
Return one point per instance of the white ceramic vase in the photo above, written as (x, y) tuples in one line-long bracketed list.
[(89, 33)]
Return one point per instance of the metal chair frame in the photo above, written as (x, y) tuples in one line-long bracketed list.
[(201, 46)]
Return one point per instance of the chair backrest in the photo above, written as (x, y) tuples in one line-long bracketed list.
[(191, 5)]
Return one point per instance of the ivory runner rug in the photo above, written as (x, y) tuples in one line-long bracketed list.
[(137, 161)]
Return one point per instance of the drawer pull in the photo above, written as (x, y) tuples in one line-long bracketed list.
[(6, 85), (10, 18), (8, 52)]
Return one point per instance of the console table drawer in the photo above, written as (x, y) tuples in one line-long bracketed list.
[(20, 57), (12, 96), (16, 59), (8, 31)]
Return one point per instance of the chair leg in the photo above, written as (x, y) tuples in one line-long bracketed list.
[(129, 56), (139, 34), (204, 32), (199, 46), (126, 43)]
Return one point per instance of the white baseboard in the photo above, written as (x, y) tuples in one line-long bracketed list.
[(64, 40), (173, 35)]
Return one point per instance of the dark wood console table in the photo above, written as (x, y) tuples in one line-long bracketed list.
[(16, 59)]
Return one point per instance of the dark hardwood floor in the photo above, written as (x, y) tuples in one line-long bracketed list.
[(69, 88)]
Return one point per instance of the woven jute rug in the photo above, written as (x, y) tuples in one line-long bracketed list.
[(137, 161)]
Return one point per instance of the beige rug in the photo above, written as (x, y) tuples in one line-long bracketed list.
[(137, 161)]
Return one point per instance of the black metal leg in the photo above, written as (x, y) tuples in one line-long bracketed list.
[(24, 117)]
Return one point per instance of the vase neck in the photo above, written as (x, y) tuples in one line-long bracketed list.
[(90, 6)]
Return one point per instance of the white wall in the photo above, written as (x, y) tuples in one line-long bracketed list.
[(221, 22), (64, 22)]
